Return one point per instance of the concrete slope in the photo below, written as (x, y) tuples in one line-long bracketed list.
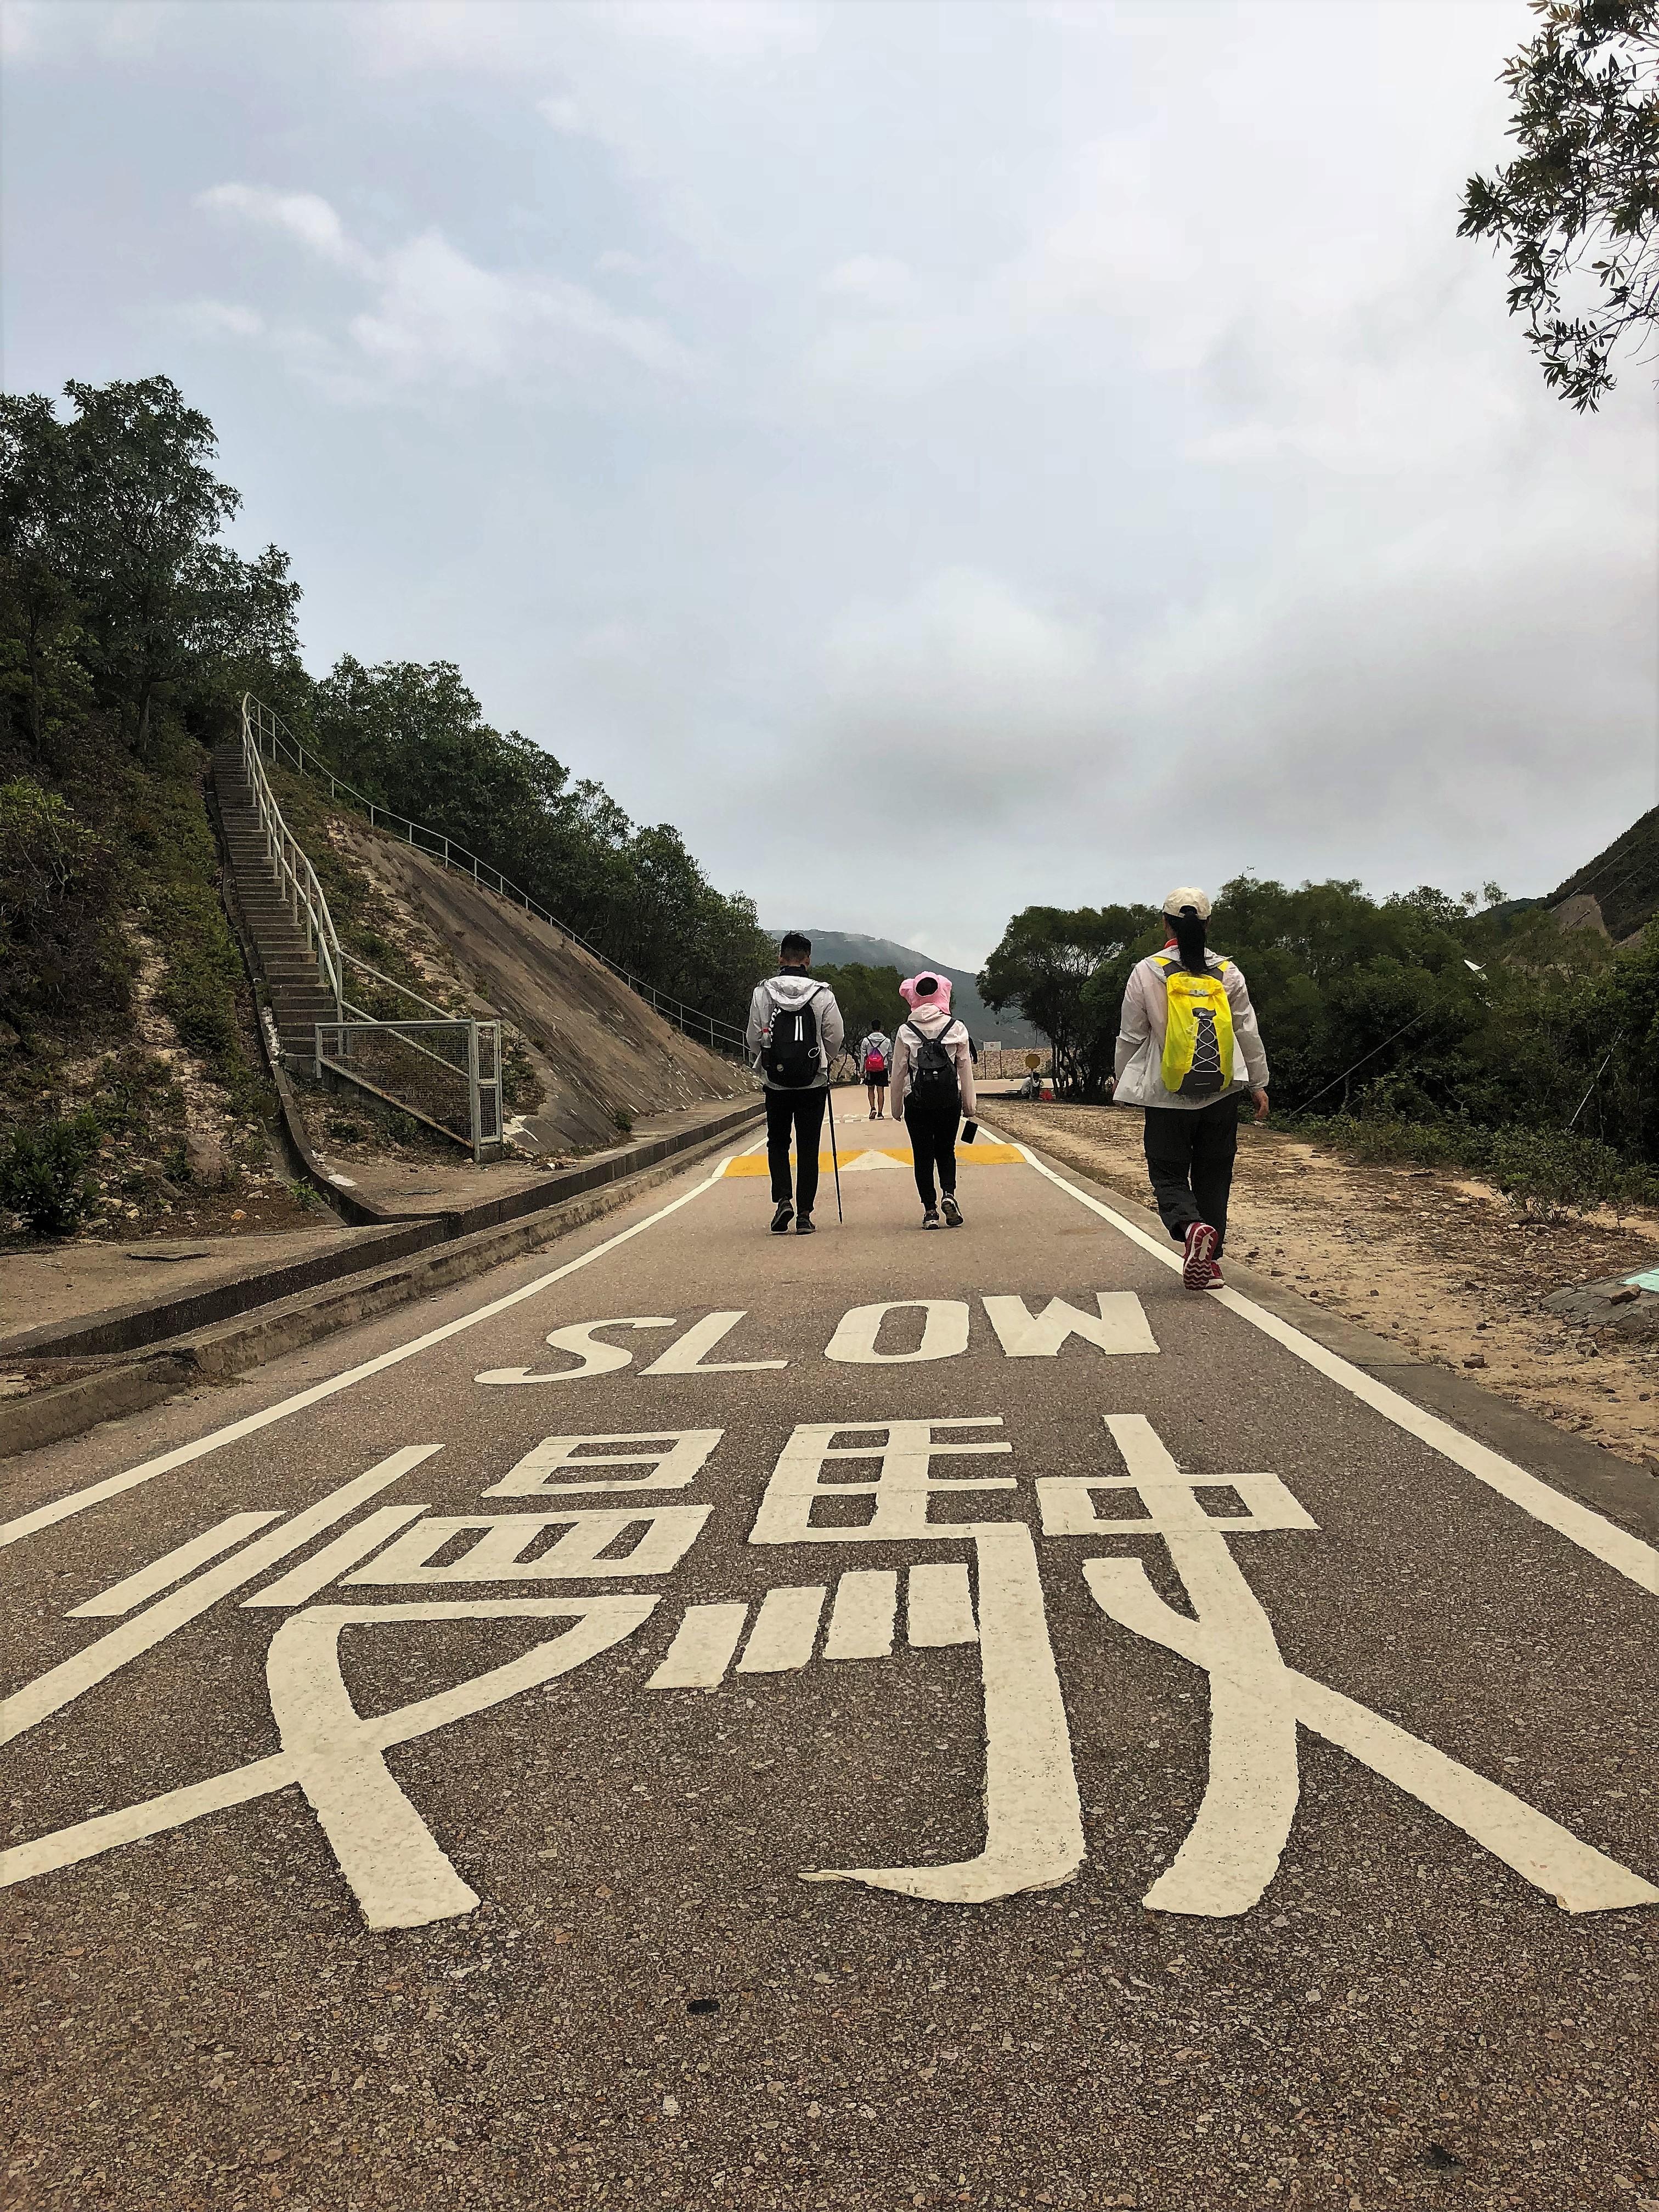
[(1617, 893), (598, 1048)]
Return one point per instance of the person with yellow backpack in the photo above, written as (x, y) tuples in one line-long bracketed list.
[(1187, 1049)]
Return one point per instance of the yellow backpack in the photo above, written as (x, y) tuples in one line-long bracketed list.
[(1198, 1038)]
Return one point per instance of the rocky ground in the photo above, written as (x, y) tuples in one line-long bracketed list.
[(1447, 1266)]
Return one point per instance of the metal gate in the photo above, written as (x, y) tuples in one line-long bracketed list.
[(446, 1073)]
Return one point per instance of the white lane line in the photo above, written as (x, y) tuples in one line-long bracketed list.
[(73, 1677), (785, 1630), (701, 1650), (80, 1501), (1626, 1554), (171, 1567)]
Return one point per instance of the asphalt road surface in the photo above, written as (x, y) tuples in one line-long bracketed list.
[(705, 1718)]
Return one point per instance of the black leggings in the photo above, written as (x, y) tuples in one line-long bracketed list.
[(933, 1144), (1189, 1156)]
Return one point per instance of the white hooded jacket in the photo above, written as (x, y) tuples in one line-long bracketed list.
[(934, 1023), (1140, 1037), (787, 993)]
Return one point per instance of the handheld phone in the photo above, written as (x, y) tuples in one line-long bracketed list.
[(969, 1131)]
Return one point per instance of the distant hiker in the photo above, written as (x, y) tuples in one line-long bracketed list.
[(794, 1031), (1187, 1024), (875, 1057), (932, 1085)]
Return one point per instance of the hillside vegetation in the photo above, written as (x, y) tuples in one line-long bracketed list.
[(130, 1070), (1420, 1026), (847, 953), (1624, 881)]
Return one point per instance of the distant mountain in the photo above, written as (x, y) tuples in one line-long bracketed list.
[(1623, 882), (837, 948)]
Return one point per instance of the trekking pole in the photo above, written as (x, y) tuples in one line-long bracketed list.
[(829, 1101)]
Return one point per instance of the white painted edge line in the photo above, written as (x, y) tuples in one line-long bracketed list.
[(81, 1501), (1581, 1525)]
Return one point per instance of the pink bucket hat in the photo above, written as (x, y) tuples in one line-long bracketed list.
[(939, 996)]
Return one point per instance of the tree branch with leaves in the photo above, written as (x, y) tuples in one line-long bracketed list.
[(1578, 209)]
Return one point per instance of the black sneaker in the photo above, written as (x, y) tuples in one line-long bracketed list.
[(806, 1226), (930, 1218), (783, 1217), (953, 1211)]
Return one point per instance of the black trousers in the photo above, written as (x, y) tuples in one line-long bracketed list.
[(799, 1113), (1189, 1156), (932, 1144)]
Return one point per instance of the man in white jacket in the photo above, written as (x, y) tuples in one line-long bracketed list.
[(795, 1032), (932, 1085), (1191, 1133)]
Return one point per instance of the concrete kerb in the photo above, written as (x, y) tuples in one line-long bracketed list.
[(156, 1321), (231, 1348), (1625, 1494)]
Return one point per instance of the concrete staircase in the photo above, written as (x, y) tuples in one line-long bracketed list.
[(299, 999)]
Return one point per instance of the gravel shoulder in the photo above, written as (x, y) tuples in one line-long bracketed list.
[(1445, 1266)]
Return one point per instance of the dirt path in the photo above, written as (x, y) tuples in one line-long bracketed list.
[(1445, 1266)]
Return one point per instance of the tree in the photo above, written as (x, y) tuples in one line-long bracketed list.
[(37, 602), (413, 739), (1578, 209), (1047, 965), (109, 548), (868, 997)]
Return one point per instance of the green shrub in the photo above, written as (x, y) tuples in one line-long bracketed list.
[(1545, 1168), (1559, 1168), (56, 881), (43, 1174)]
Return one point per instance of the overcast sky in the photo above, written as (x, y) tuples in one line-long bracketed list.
[(941, 457)]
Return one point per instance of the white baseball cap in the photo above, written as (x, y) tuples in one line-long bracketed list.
[(1187, 895)]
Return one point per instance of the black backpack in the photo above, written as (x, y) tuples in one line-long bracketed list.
[(792, 1058), (933, 1072)]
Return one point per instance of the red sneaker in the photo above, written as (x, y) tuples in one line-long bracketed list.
[(1199, 1262)]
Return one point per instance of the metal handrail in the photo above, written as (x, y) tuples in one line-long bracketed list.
[(295, 876), (722, 1035), (299, 882)]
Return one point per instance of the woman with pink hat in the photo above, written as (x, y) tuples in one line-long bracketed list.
[(932, 1085)]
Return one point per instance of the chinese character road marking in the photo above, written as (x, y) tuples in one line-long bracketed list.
[(1033, 1821), (61, 1684), (1231, 1853), (172, 1567), (399, 1874), (901, 1490), (678, 1459)]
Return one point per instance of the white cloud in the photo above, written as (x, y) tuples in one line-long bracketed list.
[(874, 280), (965, 697), (434, 316), (1081, 429), (438, 314), (114, 30), (221, 319), (302, 216)]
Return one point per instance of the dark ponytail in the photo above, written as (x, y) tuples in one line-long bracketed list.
[(1189, 934)]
